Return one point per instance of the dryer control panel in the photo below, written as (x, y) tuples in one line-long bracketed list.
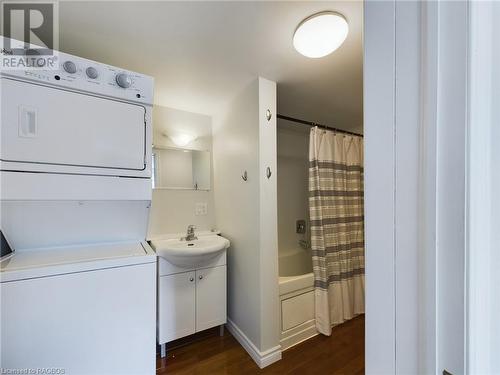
[(81, 74)]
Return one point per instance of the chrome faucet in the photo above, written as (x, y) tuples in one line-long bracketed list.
[(190, 234)]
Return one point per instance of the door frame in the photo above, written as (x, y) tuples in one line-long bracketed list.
[(391, 133), (416, 123)]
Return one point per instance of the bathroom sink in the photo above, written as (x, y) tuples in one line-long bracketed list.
[(193, 253)]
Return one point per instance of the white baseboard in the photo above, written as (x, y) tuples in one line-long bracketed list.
[(297, 335), (262, 359)]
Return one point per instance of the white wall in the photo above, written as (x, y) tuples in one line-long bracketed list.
[(236, 146), (293, 174), (173, 210), (246, 211)]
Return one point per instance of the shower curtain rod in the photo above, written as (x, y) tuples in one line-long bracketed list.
[(310, 123)]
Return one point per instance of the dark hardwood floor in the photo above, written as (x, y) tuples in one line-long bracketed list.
[(341, 353)]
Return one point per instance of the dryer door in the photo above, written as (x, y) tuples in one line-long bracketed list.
[(45, 129)]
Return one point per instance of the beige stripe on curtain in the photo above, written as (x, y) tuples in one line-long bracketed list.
[(337, 226)]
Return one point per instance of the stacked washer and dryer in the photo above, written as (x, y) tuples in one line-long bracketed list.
[(79, 294)]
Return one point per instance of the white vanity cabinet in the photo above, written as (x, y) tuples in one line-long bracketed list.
[(176, 306), (210, 297), (190, 300)]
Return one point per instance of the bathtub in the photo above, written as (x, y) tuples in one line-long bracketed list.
[(296, 286)]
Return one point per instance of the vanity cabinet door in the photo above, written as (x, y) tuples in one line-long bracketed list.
[(176, 306), (210, 297)]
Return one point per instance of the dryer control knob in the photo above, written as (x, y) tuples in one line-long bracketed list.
[(70, 67), (92, 72), (123, 80)]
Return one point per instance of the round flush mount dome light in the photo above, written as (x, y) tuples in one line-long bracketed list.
[(320, 34)]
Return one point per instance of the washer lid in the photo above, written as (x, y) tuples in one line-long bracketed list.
[(28, 264)]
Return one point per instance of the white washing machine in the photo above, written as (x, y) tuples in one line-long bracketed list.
[(79, 309), (79, 294)]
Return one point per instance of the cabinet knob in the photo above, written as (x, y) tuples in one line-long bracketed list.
[(191, 279), (200, 277)]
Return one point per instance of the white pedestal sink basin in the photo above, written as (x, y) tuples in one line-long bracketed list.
[(194, 253)]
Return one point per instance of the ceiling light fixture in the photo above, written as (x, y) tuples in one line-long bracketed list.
[(181, 140), (320, 34)]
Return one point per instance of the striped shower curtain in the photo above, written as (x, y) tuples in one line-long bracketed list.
[(337, 226)]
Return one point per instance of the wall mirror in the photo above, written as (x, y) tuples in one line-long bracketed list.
[(175, 168)]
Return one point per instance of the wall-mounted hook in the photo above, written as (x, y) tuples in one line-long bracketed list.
[(269, 115), (268, 172), (244, 176)]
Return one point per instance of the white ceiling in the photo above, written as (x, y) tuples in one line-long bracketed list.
[(202, 53)]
